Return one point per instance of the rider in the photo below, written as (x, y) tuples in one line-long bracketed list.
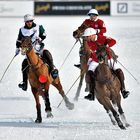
[(94, 40), (29, 29), (93, 22)]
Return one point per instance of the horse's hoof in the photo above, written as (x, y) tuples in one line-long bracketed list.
[(70, 106), (127, 125), (38, 120), (113, 122), (122, 127), (76, 99), (49, 114)]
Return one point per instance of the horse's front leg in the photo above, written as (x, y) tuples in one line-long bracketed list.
[(68, 104), (38, 106), (123, 118), (108, 106), (47, 104), (117, 118), (109, 114)]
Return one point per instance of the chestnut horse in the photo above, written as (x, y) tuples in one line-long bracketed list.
[(108, 89), (40, 79), (84, 56)]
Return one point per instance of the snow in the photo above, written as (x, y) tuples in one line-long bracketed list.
[(88, 120)]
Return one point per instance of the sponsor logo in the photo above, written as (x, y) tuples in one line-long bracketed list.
[(122, 7)]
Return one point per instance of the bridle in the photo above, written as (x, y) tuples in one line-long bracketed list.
[(102, 55), (27, 47)]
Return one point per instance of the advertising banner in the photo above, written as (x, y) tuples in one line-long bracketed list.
[(16, 8), (71, 7)]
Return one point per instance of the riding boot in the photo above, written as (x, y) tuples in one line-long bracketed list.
[(24, 83), (78, 65), (47, 57), (90, 79), (120, 76)]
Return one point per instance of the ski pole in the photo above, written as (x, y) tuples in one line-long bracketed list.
[(7, 67), (68, 55)]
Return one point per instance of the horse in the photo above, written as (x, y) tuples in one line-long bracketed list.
[(40, 79), (107, 89), (84, 56)]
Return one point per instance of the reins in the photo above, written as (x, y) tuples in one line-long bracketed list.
[(106, 81), (34, 67)]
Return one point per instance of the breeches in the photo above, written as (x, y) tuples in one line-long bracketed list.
[(93, 65)]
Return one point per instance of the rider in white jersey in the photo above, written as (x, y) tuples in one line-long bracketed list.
[(38, 32)]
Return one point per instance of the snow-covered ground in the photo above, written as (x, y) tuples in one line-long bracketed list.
[(88, 121)]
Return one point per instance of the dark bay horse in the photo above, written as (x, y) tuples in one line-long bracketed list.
[(108, 89), (40, 79), (84, 56)]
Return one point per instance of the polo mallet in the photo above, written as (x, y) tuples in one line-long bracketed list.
[(128, 72), (68, 55), (7, 67)]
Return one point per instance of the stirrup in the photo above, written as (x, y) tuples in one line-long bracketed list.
[(54, 73), (23, 86)]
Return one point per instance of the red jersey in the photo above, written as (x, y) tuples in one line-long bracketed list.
[(101, 40), (97, 24)]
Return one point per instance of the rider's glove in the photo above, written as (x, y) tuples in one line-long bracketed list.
[(39, 40), (17, 51), (76, 34), (89, 61)]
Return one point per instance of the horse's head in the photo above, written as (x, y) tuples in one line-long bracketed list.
[(103, 70), (26, 44), (102, 54)]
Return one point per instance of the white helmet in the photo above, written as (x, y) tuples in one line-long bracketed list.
[(89, 31), (28, 17), (93, 12)]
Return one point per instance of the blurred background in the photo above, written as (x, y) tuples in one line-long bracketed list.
[(17, 8)]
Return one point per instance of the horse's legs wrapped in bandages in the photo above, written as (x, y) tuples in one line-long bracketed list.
[(68, 104)]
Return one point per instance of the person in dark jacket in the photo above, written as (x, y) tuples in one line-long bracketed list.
[(38, 32)]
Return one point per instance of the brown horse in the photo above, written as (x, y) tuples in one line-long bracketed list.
[(40, 79), (108, 89), (84, 56)]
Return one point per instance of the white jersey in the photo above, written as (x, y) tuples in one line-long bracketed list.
[(35, 32)]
